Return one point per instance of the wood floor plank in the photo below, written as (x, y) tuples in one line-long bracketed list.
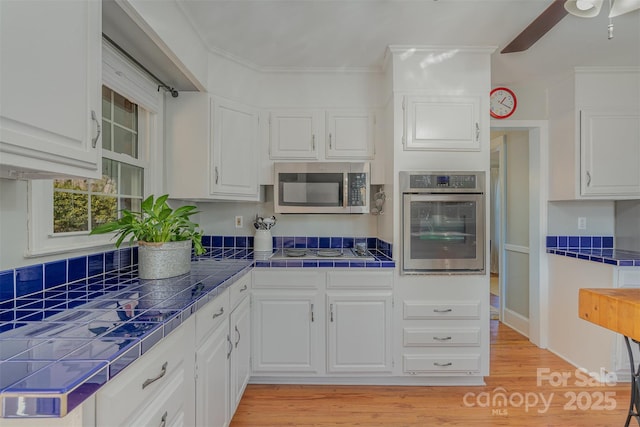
[(532, 399)]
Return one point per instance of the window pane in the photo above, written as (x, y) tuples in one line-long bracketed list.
[(131, 180), (124, 112), (106, 102), (125, 142), (103, 209), (70, 212), (70, 184), (133, 205), (106, 135)]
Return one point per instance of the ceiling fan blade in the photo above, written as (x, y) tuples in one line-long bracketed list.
[(620, 7), (538, 28)]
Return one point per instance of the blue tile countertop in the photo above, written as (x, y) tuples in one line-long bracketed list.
[(48, 367), (592, 248), (69, 326)]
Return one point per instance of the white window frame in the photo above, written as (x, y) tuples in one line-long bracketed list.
[(120, 75)]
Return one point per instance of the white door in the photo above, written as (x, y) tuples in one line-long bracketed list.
[(359, 332), (241, 355), (285, 331), (514, 274), (212, 378)]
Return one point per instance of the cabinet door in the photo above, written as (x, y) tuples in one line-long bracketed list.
[(350, 134), (212, 378), (50, 80), (442, 123), (285, 332), (241, 355), (235, 150), (610, 153), (359, 332), (294, 134)]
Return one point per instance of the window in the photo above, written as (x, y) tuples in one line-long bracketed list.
[(62, 212), (81, 204)]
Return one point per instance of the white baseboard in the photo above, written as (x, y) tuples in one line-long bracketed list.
[(516, 321), (381, 381)]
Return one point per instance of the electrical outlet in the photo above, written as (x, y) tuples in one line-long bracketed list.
[(239, 221), (582, 223)]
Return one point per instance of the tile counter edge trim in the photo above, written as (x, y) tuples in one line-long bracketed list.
[(592, 248)]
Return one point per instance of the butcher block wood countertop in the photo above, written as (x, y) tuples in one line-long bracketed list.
[(614, 309)]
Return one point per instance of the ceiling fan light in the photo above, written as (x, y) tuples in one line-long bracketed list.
[(620, 7), (575, 7), (584, 4)]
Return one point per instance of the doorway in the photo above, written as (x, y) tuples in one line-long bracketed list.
[(521, 247)]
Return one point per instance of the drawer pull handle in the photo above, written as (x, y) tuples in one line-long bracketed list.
[(244, 288), (442, 365), (237, 333), (442, 338), (219, 313), (163, 421), (331, 311), (230, 346), (94, 140), (150, 381), (440, 310)]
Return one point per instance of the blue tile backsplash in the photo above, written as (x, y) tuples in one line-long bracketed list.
[(74, 281), (592, 248)]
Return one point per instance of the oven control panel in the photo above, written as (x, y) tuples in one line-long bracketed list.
[(436, 182)]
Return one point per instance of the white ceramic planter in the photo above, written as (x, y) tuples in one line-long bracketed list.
[(163, 260), (262, 241)]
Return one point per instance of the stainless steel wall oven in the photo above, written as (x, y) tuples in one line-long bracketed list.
[(443, 222)]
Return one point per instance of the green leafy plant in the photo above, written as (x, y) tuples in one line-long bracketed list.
[(156, 223)]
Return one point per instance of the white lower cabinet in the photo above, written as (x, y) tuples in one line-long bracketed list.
[(213, 378), (240, 363), (441, 338), (359, 332), (301, 329), (222, 355), (157, 389), (286, 331)]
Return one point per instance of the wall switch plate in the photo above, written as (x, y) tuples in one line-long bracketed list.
[(238, 222), (582, 223)]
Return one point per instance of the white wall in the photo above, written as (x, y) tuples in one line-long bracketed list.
[(563, 218)]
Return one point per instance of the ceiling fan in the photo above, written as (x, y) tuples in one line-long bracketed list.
[(558, 10)]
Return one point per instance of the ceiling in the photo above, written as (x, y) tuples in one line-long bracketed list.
[(271, 35)]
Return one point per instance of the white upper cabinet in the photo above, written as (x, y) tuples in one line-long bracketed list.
[(235, 150), (50, 84), (304, 134), (594, 135), (295, 134), (350, 134), (442, 123), (610, 152), (211, 148)]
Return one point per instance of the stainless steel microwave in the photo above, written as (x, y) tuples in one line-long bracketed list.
[(321, 187)]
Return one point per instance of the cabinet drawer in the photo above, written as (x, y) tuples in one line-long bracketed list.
[(426, 337), (360, 279), (441, 310), (239, 290), (296, 279), (167, 408), (211, 315), (442, 363), (135, 387)]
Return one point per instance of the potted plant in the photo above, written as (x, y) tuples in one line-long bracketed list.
[(164, 235)]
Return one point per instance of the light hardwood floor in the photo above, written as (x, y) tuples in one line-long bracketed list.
[(514, 373)]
